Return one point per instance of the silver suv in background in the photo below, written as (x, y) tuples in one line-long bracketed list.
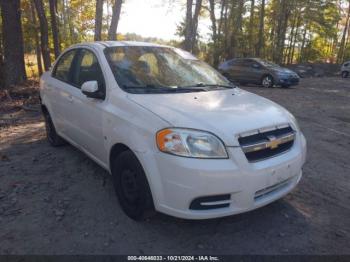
[(345, 70), (258, 71)]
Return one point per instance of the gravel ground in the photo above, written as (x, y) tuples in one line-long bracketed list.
[(57, 201)]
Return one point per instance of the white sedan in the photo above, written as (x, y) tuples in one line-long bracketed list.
[(176, 136)]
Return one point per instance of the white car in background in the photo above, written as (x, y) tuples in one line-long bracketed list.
[(176, 136)]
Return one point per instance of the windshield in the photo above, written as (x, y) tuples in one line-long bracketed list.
[(144, 69), (267, 63)]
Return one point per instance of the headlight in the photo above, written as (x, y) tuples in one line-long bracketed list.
[(190, 143), (294, 121)]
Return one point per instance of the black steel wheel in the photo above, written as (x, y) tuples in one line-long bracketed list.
[(132, 187)]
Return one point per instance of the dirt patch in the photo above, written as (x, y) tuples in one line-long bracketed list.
[(57, 201)]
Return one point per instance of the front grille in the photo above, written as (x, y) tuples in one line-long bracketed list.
[(263, 145), (211, 202)]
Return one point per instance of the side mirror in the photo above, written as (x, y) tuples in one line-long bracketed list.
[(90, 89)]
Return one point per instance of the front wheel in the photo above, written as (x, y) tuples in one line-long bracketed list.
[(267, 81), (132, 187), (345, 74)]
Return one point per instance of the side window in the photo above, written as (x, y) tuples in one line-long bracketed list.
[(248, 63), (240, 62), (63, 66), (232, 62), (88, 69)]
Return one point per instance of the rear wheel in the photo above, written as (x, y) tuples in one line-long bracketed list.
[(132, 187), (51, 134), (267, 81), (345, 74)]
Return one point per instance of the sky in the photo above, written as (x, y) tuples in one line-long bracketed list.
[(155, 18)]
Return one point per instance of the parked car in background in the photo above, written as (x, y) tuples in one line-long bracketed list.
[(258, 71), (175, 134), (345, 70)]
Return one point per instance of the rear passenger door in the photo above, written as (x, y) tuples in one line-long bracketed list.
[(86, 114)]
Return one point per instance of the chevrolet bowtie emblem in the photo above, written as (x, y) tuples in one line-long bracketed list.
[(273, 142)]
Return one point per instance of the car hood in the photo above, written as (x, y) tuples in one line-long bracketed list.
[(225, 113)]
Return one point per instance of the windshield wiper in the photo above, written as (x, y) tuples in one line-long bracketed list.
[(160, 89), (199, 85), (145, 86)]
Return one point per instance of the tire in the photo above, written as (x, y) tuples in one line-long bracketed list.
[(132, 187), (54, 139), (267, 81), (345, 74)]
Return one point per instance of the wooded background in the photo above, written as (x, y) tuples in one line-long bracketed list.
[(34, 32)]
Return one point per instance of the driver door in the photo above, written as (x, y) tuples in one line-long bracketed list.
[(253, 71)]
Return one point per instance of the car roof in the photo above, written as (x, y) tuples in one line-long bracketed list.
[(105, 44)]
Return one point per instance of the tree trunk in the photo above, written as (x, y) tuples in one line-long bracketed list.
[(195, 25), (283, 16), (98, 20), (36, 39), (65, 30), (69, 23), (260, 44), (239, 23), (291, 58), (117, 7), (230, 31), (214, 29), (188, 26), (251, 27), (235, 35), (301, 53), (14, 67), (54, 27), (343, 39), (44, 35), (226, 30), (222, 16), (291, 36)]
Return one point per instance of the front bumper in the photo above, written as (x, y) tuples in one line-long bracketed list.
[(177, 181), (289, 81)]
